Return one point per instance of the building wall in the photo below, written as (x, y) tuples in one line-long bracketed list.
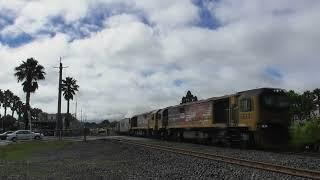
[(52, 118)]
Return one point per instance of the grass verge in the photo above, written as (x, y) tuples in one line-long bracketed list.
[(21, 151)]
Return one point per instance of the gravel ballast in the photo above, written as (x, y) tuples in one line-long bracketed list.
[(284, 159), (105, 159)]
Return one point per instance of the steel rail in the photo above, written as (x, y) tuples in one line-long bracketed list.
[(305, 173)]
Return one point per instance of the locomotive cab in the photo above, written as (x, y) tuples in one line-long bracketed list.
[(273, 122), (265, 114)]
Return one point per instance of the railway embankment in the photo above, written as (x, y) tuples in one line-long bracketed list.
[(310, 161), (115, 160)]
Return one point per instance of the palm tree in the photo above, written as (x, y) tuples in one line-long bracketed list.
[(15, 102), (20, 109), (8, 95), (6, 103), (29, 73), (69, 88)]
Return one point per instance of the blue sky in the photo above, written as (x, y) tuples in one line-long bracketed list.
[(92, 21), (131, 56)]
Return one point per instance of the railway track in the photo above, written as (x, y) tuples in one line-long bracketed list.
[(305, 173)]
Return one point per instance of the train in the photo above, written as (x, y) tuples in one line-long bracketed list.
[(256, 117)]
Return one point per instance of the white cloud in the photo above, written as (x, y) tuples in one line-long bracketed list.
[(170, 13), (129, 67)]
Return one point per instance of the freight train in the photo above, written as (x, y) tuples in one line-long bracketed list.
[(257, 117)]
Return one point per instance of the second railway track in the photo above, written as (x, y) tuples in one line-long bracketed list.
[(305, 173)]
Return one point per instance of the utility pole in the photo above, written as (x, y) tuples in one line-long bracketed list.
[(81, 116), (85, 131), (59, 118), (2, 124), (83, 127), (76, 109), (29, 118)]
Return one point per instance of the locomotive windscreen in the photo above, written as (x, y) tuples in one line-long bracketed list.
[(275, 101)]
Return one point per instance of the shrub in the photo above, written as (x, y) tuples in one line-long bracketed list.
[(306, 133)]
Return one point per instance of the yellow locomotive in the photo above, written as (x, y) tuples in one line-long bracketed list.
[(253, 117)]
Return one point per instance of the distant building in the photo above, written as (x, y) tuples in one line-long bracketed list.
[(49, 121)]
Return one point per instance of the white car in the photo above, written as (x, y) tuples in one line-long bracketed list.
[(23, 135)]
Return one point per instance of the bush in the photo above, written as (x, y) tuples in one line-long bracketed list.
[(306, 133), (8, 122)]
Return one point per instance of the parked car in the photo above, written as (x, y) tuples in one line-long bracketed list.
[(24, 135), (3, 136)]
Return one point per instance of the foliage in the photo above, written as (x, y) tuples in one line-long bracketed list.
[(7, 98), (35, 113), (29, 73), (69, 88), (305, 133), (188, 98), (316, 94), (302, 106), (20, 107), (103, 124), (91, 125), (8, 122), (113, 124), (15, 103)]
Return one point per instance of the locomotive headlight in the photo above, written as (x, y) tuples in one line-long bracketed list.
[(264, 125)]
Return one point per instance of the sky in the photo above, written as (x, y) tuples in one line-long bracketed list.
[(133, 56)]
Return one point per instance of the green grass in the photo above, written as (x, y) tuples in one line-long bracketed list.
[(22, 151)]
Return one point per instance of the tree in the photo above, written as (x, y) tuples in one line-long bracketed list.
[(8, 96), (316, 94), (113, 124), (295, 105), (301, 105), (104, 123), (69, 88), (35, 113), (307, 104), (14, 104), (6, 103), (188, 98), (20, 110), (29, 73), (7, 122)]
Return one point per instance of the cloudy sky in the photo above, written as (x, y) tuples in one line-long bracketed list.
[(131, 56)]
